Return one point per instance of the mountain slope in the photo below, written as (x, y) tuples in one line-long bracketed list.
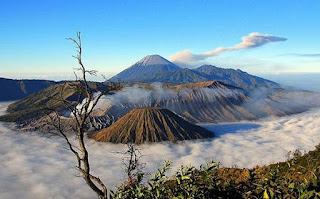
[(235, 77), (154, 68), (31, 107), (177, 77), (209, 102), (11, 89), (151, 125), (149, 66), (201, 102), (196, 102)]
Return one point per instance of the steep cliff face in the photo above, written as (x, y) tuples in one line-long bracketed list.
[(196, 102), (210, 102), (151, 125)]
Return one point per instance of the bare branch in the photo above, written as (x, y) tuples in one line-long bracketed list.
[(80, 111)]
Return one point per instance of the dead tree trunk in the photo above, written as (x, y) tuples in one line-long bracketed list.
[(80, 110)]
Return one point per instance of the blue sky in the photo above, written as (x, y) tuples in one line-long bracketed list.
[(116, 34)]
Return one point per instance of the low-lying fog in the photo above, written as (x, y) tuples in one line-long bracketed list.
[(32, 166)]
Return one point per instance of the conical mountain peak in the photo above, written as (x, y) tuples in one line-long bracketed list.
[(151, 124), (147, 67), (150, 60)]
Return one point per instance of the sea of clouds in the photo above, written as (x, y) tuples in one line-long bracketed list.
[(32, 166)]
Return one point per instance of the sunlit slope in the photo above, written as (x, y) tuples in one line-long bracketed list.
[(151, 125), (34, 106)]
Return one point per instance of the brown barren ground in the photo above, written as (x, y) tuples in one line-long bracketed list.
[(151, 124)]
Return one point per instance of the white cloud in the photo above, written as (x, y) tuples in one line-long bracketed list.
[(34, 168), (253, 40)]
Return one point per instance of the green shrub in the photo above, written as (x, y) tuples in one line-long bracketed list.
[(298, 177)]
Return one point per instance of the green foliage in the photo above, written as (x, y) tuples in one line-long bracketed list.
[(298, 177)]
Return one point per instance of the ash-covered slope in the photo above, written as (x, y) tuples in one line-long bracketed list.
[(151, 125), (196, 102), (201, 102), (209, 102), (11, 89), (149, 66)]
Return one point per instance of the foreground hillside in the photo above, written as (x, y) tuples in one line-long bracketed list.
[(298, 177)]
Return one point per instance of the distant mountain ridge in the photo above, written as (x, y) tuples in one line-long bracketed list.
[(154, 68), (237, 77), (12, 89)]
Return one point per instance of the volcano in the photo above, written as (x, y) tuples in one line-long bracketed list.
[(151, 124), (154, 68), (149, 66)]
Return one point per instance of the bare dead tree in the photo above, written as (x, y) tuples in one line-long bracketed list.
[(132, 164), (81, 110)]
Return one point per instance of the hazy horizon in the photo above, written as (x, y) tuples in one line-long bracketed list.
[(305, 81)]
